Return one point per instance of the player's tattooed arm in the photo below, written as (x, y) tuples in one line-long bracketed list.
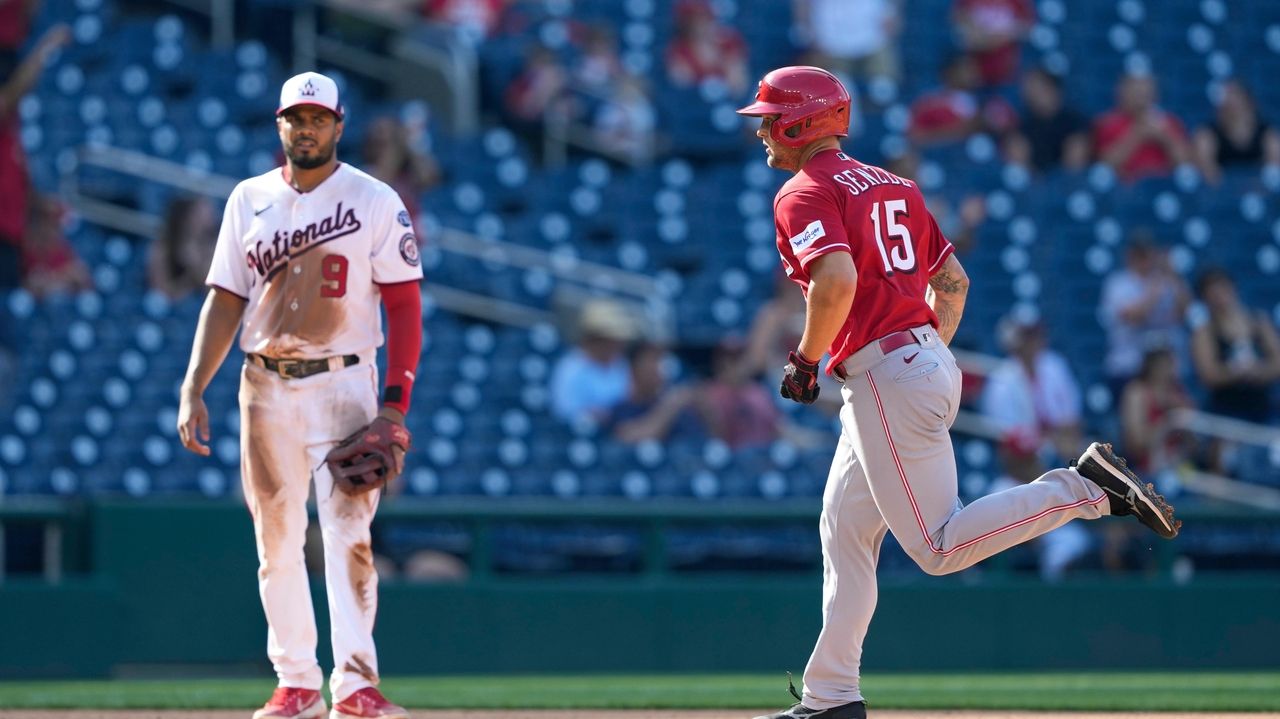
[(946, 295)]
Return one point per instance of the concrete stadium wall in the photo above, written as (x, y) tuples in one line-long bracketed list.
[(173, 591)]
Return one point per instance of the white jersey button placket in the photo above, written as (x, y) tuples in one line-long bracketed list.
[(297, 269)]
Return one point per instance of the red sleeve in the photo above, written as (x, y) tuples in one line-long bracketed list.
[(812, 224), (938, 247), (404, 341), (1109, 128)]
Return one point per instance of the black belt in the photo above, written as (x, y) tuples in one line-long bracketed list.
[(299, 368)]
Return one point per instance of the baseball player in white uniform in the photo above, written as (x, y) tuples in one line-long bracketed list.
[(884, 295), (305, 255)]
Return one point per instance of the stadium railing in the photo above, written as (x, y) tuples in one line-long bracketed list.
[(576, 280)]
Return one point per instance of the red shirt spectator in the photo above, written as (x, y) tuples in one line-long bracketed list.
[(703, 49), (543, 82), (993, 31), (953, 112), (50, 263), (1137, 138), (13, 163), (477, 17), (738, 410), (13, 181), (15, 22)]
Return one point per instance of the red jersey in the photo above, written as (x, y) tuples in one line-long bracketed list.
[(837, 204), (1150, 159), (13, 181), (728, 48), (998, 65), (15, 24)]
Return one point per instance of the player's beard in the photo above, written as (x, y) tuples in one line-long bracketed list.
[(781, 159), (319, 155)]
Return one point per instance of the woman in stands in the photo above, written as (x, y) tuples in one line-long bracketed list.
[(1236, 352), (1237, 137)]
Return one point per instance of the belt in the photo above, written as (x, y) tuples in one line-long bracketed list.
[(896, 340), (888, 343), (299, 368)]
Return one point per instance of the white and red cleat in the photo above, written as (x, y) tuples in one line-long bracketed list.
[(293, 703), (368, 703)]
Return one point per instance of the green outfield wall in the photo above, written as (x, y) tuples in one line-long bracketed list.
[(161, 589)]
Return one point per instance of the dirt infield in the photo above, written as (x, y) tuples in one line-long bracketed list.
[(629, 714)]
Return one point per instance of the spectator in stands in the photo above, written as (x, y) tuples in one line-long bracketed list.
[(51, 265), (777, 327), (179, 258), (625, 124), (856, 39), (703, 50), (779, 323), (1137, 138), (597, 68), (1142, 306), (1144, 407), (13, 163), (1237, 137), (993, 31), (959, 220), (592, 378), (1236, 352), (1034, 401), (654, 409), (541, 86), (15, 27), (953, 112), (474, 20), (737, 410), (1146, 403), (391, 155), (1050, 133)]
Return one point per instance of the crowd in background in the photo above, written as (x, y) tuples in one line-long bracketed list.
[(1169, 347)]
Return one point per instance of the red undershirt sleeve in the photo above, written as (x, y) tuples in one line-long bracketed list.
[(404, 341)]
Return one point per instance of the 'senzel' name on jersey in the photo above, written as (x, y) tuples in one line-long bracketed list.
[(269, 260), (861, 179)]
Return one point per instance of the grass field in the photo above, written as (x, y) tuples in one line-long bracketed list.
[(1112, 691)]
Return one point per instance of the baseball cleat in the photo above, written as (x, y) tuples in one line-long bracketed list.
[(852, 710), (293, 703), (1126, 493), (368, 703)]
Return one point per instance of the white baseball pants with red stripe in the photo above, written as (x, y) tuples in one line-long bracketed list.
[(894, 469), (286, 428)]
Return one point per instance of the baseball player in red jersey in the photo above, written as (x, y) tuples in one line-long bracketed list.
[(884, 294), (306, 254)]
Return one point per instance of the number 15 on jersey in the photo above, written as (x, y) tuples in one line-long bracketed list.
[(893, 239)]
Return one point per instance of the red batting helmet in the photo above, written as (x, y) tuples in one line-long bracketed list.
[(809, 98)]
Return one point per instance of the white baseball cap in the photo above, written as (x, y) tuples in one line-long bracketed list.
[(310, 88)]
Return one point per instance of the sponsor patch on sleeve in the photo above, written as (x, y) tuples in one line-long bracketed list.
[(403, 218), (811, 234), (409, 250)]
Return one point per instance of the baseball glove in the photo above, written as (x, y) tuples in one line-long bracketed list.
[(367, 459)]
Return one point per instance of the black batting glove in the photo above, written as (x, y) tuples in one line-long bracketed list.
[(800, 379)]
